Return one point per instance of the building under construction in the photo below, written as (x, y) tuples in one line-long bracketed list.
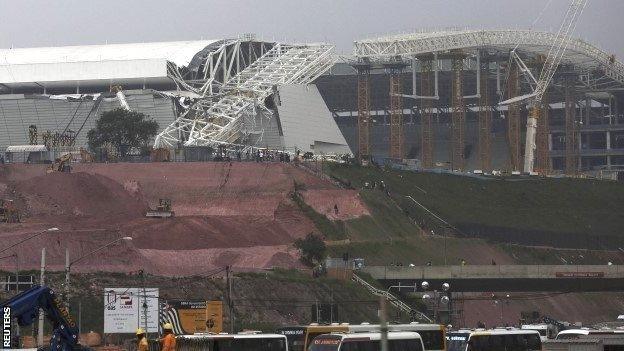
[(240, 93), (436, 97)]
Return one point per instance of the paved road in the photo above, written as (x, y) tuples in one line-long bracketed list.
[(506, 277)]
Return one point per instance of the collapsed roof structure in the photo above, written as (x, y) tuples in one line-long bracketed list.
[(202, 93)]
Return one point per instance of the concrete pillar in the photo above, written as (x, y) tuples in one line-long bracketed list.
[(608, 140), (588, 101), (550, 143), (608, 162)]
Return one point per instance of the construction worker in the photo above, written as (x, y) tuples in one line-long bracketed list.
[(168, 340), (141, 340)]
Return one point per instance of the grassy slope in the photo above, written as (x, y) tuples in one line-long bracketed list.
[(582, 213), (261, 300)]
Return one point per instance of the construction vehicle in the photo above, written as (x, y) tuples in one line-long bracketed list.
[(85, 156), (160, 155), (24, 309), (8, 212), (163, 210), (61, 164)]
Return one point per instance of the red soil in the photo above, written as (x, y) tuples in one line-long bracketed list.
[(587, 307), (349, 204), (236, 214), (78, 195)]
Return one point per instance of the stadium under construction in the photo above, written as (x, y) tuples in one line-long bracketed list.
[(444, 99)]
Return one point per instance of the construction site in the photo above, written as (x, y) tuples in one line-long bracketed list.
[(466, 177)]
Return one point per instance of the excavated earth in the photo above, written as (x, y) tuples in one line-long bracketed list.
[(238, 214)]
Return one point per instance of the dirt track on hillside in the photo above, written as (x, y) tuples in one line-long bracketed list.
[(236, 214)]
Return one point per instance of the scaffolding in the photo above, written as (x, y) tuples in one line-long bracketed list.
[(485, 121), (426, 113), (513, 119), (458, 125), (543, 162), (571, 140), (396, 110), (364, 117)]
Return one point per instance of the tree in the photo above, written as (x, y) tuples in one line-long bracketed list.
[(123, 130), (312, 249)]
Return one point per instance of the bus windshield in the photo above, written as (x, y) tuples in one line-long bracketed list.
[(325, 343), (505, 342), (432, 339), (457, 341), (374, 345), (295, 337), (242, 344)]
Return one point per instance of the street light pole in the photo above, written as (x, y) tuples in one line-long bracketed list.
[(69, 263), (54, 229), (41, 315)]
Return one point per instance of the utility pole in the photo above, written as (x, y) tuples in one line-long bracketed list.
[(229, 297), (17, 273), (66, 297), (41, 315), (383, 324)]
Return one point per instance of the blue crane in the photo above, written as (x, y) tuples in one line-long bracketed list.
[(25, 306)]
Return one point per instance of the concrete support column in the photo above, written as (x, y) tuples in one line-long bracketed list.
[(608, 137), (588, 101)]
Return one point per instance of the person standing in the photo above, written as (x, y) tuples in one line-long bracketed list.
[(142, 344), (168, 341)]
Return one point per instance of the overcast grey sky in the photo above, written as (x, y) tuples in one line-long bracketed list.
[(27, 23)]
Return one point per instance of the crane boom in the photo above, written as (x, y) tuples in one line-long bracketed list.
[(553, 59), (25, 309)]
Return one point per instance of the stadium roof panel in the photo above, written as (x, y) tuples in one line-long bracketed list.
[(178, 52), (115, 62)]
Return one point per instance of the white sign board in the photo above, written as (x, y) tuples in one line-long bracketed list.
[(126, 309)]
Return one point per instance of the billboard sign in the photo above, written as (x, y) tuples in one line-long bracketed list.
[(126, 309), (189, 317)]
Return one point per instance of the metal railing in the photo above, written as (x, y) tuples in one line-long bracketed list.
[(394, 301)]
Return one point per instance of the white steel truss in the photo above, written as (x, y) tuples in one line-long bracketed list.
[(228, 117), (579, 53), (223, 60)]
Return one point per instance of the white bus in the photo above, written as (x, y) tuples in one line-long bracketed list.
[(546, 331), (578, 333), (432, 335), (494, 340), (232, 342), (397, 341), (611, 339)]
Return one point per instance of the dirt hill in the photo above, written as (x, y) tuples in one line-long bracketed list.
[(239, 214)]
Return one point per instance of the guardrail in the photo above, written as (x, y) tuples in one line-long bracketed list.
[(394, 301)]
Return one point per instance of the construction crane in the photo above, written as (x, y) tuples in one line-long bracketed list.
[(24, 308), (553, 59)]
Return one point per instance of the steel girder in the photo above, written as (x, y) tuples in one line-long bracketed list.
[(579, 53), (227, 117)]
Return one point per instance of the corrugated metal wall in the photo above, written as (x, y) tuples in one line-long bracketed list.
[(18, 112)]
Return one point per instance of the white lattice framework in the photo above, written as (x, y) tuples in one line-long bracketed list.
[(227, 117), (580, 54)]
